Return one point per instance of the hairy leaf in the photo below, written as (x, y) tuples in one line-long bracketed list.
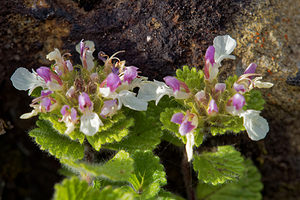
[(56, 144), (119, 168), (254, 100), (218, 167), (247, 188), (220, 124), (148, 174), (193, 78)]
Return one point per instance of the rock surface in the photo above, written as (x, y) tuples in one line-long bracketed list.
[(158, 37)]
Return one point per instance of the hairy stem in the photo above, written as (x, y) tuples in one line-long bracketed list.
[(89, 158), (187, 176)]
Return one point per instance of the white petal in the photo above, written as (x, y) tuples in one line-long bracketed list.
[(181, 95), (189, 145), (29, 115), (147, 91), (260, 84), (129, 100), (23, 79), (55, 55), (90, 60), (105, 92), (223, 45), (90, 123), (257, 127)]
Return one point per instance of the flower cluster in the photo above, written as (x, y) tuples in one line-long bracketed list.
[(82, 95), (85, 95)]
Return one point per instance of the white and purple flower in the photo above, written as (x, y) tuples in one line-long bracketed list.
[(69, 117), (212, 107), (86, 49), (89, 121)]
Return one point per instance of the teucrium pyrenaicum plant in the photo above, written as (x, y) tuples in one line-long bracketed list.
[(90, 107)]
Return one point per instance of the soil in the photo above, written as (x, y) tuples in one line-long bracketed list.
[(158, 37)]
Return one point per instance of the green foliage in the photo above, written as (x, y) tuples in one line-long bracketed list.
[(193, 78), (148, 174), (119, 168), (247, 188), (164, 195), (61, 127), (219, 124), (56, 144), (146, 133), (76, 189), (230, 81), (36, 92), (218, 167), (113, 131), (254, 100)]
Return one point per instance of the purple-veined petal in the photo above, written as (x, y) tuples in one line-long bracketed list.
[(84, 102), (238, 101), (45, 73), (69, 65), (46, 103), (109, 108), (173, 83), (71, 91), (212, 107), (200, 96), (239, 87), (101, 55), (82, 47), (73, 114), (177, 118), (220, 87), (251, 69), (130, 74), (113, 81), (209, 55), (45, 93), (64, 109), (186, 127)]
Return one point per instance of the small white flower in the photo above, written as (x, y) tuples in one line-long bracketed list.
[(223, 45), (22, 79), (260, 84), (256, 126), (90, 123)]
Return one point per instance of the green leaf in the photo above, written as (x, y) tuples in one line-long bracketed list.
[(36, 92), (220, 124), (165, 195), (55, 143), (254, 100), (119, 168), (149, 175), (76, 189), (145, 134), (247, 188), (111, 132), (218, 167), (193, 78)]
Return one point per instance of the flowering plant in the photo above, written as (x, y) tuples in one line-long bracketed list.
[(86, 108)]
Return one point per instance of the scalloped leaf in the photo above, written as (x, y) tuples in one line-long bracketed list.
[(55, 143), (76, 189), (193, 78), (114, 134), (119, 168), (247, 188), (224, 123), (165, 195), (254, 100), (149, 175), (218, 167), (145, 134)]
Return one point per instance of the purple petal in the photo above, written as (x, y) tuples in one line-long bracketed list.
[(220, 87), (84, 101), (101, 57), (177, 118), (69, 65), (238, 101), (186, 127), (45, 73), (73, 114), (212, 107), (63, 110), (239, 87), (45, 93), (82, 46), (251, 69), (173, 83), (108, 107), (46, 103), (115, 70), (130, 74), (113, 81), (210, 55)]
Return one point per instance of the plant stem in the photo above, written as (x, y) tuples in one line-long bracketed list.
[(89, 158), (187, 176)]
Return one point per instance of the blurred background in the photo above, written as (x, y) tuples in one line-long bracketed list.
[(158, 37)]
